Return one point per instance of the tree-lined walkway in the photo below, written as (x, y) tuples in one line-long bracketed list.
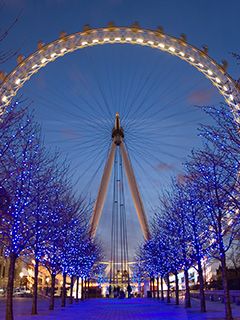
[(108, 309)]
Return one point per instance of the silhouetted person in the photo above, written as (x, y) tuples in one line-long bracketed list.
[(115, 292), (129, 290), (118, 291), (121, 294), (110, 290)]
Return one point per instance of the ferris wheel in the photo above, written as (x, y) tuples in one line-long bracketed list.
[(142, 140)]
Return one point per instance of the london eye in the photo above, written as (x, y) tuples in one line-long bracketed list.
[(126, 117)]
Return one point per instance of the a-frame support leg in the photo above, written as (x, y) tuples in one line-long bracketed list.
[(135, 192), (98, 207)]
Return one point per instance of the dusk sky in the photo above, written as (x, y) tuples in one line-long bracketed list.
[(76, 98)]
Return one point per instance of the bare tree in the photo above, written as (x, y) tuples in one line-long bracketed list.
[(233, 257), (45, 184), (74, 231), (177, 228), (186, 199), (216, 192), (6, 54), (19, 164), (54, 244)]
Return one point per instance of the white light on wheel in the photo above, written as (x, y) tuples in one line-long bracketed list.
[(18, 81), (210, 72), (172, 49), (4, 99), (43, 60), (140, 40)]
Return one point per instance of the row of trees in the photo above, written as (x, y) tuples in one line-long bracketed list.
[(199, 217), (40, 215)]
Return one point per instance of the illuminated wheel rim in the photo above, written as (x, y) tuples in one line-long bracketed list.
[(45, 54)]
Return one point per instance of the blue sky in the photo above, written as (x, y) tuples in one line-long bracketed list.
[(67, 94), (214, 22)]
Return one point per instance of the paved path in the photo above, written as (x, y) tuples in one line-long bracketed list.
[(109, 309)]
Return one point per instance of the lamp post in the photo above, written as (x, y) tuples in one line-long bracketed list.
[(21, 277), (47, 281)]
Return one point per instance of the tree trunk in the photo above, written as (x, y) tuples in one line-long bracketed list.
[(176, 288), (88, 286), (63, 304), (227, 301), (85, 289), (82, 289), (77, 289), (187, 292), (71, 290), (162, 293), (201, 287), (35, 287), (158, 287), (168, 289), (150, 286), (10, 285), (153, 283), (53, 280)]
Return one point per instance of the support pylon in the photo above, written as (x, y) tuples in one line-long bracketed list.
[(118, 140), (102, 191)]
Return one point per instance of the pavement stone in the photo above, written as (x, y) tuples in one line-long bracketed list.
[(125, 309)]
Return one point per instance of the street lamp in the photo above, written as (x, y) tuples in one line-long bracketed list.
[(21, 277), (47, 281)]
